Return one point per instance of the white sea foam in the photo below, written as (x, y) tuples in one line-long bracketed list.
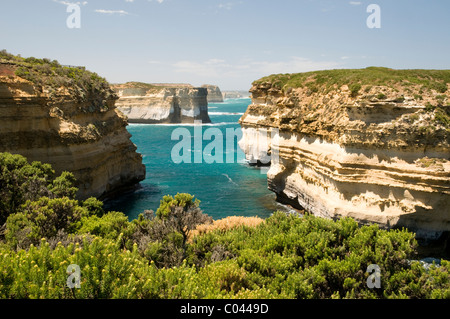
[(224, 113), (183, 124), (229, 178), (226, 101), (288, 209)]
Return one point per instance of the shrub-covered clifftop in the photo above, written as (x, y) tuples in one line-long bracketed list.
[(425, 80), (66, 116), (51, 78), (412, 103)]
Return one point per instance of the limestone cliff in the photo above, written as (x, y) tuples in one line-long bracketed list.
[(235, 95), (66, 116), (149, 103), (214, 93), (372, 144)]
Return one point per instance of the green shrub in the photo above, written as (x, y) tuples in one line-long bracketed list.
[(7, 56), (63, 186), (109, 226), (181, 214), (43, 219), (162, 237), (106, 272), (312, 257), (81, 84), (440, 87), (287, 256), (400, 99), (429, 107), (367, 89), (442, 117), (371, 76), (440, 99), (21, 181), (354, 89), (94, 206)]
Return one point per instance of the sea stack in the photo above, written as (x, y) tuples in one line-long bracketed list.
[(235, 95), (214, 93), (162, 103), (371, 144)]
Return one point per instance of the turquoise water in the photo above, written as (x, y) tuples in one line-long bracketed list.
[(224, 189)]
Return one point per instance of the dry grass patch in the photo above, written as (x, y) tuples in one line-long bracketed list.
[(227, 224)]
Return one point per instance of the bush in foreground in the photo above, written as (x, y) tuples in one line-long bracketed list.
[(170, 254), (285, 257), (21, 181)]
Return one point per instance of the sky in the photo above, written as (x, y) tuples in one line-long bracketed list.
[(229, 43)]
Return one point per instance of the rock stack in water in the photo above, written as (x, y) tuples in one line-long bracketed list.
[(214, 93), (66, 116), (372, 144), (162, 103)]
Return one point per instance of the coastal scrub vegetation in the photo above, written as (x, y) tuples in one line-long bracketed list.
[(148, 87), (51, 75), (437, 80), (162, 255), (420, 84), (139, 85), (21, 181)]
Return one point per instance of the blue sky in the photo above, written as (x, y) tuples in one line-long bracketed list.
[(230, 43)]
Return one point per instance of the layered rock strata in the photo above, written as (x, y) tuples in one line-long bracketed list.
[(235, 95), (376, 153), (72, 128), (214, 93), (151, 104)]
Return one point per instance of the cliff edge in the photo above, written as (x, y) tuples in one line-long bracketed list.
[(66, 116), (214, 93), (372, 144), (161, 104)]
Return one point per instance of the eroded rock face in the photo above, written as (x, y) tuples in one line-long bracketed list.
[(159, 105), (235, 95), (214, 93), (81, 133), (379, 160)]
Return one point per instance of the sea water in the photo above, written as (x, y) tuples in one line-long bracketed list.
[(224, 189)]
